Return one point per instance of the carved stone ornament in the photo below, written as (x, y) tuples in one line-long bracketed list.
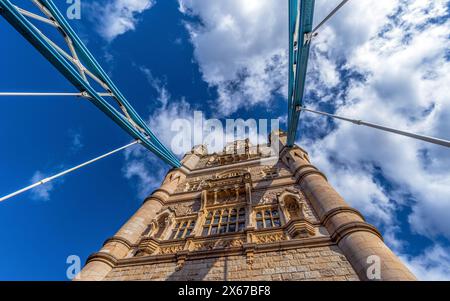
[(217, 244), (264, 238), (185, 208), (266, 197), (172, 249)]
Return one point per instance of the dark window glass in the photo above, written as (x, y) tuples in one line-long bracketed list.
[(277, 222), (268, 223), (241, 226), (205, 231), (180, 234), (275, 213), (177, 225), (258, 214), (174, 232), (259, 224), (193, 224), (267, 213), (184, 224), (228, 220), (188, 232)]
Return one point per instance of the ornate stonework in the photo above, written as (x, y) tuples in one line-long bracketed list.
[(279, 221), (185, 208)]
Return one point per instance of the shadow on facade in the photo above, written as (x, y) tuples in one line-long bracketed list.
[(200, 269)]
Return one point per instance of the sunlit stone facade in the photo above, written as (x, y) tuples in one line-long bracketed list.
[(244, 215)]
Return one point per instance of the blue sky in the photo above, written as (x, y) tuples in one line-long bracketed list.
[(381, 61)]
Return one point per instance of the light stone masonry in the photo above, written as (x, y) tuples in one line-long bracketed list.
[(228, 216)]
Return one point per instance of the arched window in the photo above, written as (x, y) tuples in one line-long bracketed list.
[(268, 218), (224, 221), (182, 229)]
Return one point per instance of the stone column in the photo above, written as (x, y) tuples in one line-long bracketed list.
[(120, 245), (357, 239)]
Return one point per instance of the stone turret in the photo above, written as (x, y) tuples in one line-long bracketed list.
[(360, 241), (120, 245)]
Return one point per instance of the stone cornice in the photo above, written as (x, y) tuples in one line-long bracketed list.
[(103, 257), (352, 227), (306, 170), (119, 239), (328, 215), (156, 198)]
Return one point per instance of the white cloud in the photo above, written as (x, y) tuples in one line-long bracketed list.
[(118, 16), (404, 83), (76, 143), (240, 47), (162, 119), (405, 86), (137, 169), (43, 191), (431, 265), (141, 166), (139, 162)]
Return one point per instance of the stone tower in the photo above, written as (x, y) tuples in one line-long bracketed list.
[(244, 214)]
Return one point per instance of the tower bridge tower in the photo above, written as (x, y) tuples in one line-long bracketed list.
[(228, 216)]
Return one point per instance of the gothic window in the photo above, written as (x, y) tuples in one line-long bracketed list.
[(267, 218), (183, 229), (224, 221)]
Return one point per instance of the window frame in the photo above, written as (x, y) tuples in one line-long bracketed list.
[(180, 230), (230, 217), (261, 221)]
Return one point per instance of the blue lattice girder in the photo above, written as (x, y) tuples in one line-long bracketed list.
[(301, 13), (133, 123)]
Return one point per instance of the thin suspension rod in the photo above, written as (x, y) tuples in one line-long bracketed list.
[(43, 181), (428, 139), (328, 17), (49, 94)]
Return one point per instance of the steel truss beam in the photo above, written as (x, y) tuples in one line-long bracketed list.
[(80, 67), (301, 14), (300, 33)]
